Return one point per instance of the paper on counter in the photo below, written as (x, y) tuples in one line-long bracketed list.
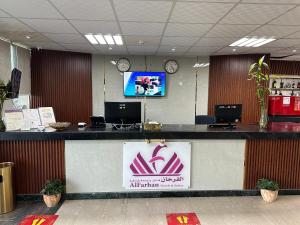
[(14, 119)]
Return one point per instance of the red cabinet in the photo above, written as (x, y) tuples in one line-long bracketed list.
[(284, 105)]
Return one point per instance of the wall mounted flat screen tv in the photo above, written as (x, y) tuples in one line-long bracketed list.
[(144, 84)]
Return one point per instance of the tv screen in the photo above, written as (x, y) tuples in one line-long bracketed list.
[(144, 84)]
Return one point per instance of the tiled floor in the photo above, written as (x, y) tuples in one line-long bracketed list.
[(23, 209), (211, 211)]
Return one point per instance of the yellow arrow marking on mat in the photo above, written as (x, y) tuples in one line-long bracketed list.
[(182, 219), (38, 221)]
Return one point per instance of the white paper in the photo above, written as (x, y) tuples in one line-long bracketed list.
[(31, 118), (46, 115), (286, 100), (14, 120)]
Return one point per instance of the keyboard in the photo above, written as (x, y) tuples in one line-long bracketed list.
[(225, 126)]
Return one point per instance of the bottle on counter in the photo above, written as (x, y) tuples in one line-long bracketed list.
[(281, 84), (274, 84)]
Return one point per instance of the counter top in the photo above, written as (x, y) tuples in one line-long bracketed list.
[(276, 130)]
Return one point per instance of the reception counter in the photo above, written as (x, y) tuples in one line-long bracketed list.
[(276, 130), (90, 160)]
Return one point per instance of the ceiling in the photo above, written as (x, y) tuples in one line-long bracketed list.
[(192, 27)]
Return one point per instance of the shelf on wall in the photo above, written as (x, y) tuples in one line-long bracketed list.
[(283, 76), (288, 89)]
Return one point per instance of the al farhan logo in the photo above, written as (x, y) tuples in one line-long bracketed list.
[(140, 167)]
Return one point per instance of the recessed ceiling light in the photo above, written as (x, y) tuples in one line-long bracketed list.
[(294, 50), (234, 50), (109, 39), (100, 39), (110, 48), (173, 49), (28, 37), (91, 39), (118, 39), (252, 42)]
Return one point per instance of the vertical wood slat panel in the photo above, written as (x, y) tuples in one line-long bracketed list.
[(62, 80), (35, 162), (285, 67), (273, 159), (228, 84)]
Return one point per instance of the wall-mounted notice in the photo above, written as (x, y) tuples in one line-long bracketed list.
[(46, 115), (156, 165)]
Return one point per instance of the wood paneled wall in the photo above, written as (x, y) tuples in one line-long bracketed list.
[(35, 162), (62, 80), (228, 84), (273, 159), (285, 67)]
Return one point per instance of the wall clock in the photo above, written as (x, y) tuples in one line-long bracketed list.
[(171, 66), (123, 65)]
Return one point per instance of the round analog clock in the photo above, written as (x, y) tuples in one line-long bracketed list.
[(171, 66), (123, 65)]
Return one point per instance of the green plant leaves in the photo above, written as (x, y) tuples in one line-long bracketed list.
[(53, 187), (259, 72), (267, 184)]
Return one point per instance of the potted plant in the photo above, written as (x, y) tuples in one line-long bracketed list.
[(52, 191), (260, 73), (4, 91), (268, 189)]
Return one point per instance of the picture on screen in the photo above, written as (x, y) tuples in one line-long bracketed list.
[(144, 83)]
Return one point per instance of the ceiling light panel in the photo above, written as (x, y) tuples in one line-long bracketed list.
[(104, 39), (118, 39), (251, 42), (100, 39), (109, 39), (91, 39)]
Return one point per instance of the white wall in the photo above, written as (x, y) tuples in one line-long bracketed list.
[(181, 102), (23, 64), (96, 166)]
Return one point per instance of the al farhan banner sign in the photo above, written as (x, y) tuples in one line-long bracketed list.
[(156, 165)]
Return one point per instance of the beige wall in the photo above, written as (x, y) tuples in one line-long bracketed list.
[(23, 64), (182, 98), (4, 61)]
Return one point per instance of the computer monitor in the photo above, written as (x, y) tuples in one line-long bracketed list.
[(123, 112), (228, 113), (14, 84)]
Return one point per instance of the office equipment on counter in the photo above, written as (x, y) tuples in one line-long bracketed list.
[(227, 115), (205, 119), (81, 124), (152, 125), (97, 122), (123, 114)]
